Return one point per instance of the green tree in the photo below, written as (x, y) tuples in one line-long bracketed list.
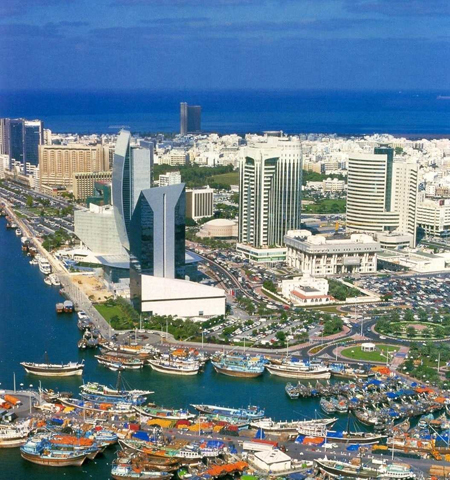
[(29, 201), (408, 316), (281, 336), (411, 332)]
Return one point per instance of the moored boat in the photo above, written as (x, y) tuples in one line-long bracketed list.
[(292, 368), (250, 413), (54, 370), (13, 435), (166, 413), (174, 367), (41, 452)]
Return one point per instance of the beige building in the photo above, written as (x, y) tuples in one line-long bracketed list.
[(59, 163), (83, 183), (199, 203), (219, 228)]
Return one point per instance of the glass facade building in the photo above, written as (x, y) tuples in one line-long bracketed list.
[(32, 138), (190, 118), (157, 237), (132, 173)]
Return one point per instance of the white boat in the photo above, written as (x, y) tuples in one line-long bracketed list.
[(54, 280), (54, 370), (47, 281), (44, 265), (299, 370), (271, 426), (174, 367), (14, 435), (19, 232)]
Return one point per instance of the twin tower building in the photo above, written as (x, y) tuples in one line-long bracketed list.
[(151, 226)]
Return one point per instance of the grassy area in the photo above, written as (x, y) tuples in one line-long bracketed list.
[(108, 312), (231, 178), (326, 308), (48, 211), (327, 205), (356, 353)]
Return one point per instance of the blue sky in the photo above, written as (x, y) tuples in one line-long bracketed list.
[(225, 44)]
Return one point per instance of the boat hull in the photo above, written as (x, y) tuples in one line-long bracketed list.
[(346, 473), (74, 461), (47, 372), (299, 375), (174, 371), (234, 373), (13, 442)]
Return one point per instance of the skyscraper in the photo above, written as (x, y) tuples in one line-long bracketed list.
[(190, 118), (381, 195), (157, 236), (33, 136), (132, 173), (270, 182), (16, 139)]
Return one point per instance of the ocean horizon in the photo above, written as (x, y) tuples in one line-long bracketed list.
[(413, 114)]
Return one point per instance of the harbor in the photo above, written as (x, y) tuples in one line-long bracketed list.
[(33, 305)]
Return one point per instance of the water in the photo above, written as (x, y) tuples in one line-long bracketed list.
[(342, 112), (29, 326)]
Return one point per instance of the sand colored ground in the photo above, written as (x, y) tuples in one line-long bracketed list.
[(91, 285)]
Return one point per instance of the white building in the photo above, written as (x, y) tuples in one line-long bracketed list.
[(4, 164), (317, 255), (97, 230), (178, 157), (333, 185), (269, 255), (272, 461), (181, 298), (169, 178), (306, 290), (269, 190), (433, 216), (381, 193)]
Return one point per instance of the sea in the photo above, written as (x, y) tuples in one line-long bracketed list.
[(29, 327), (413, 114)]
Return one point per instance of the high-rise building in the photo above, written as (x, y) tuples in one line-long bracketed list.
[(132, 173), (270, 182), (157, 236), (190, 118), (33, 136), (381, 193), (59, 163), (169, 178), (199, 203), (84, 182), (16, 139), (4, 137)]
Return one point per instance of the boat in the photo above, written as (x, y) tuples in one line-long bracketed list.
[(41, 452), (18, 232), (55, 280), (130, 472), (174, 367), (47, 281), (116, 362), (13, 435), (249, 413), (166, 413), (44, 265), (239, 365), (327, 406), (274, 427), (356, 469), (320, 431), (299, 369), (68, 306), (53, 369), (59, 308), (98, 389), (119, 408), (344, 370)]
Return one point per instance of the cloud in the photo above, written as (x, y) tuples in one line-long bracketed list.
[(400, 7)]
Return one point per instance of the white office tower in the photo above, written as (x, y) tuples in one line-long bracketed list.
[(270, 180), (381, 193)]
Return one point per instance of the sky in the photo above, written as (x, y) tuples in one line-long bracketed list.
[(225, 44)]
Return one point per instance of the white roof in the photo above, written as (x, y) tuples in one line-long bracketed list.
[(270, 457)]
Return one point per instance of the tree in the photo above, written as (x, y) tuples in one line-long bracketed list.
[(423, 315), (408, 316), (281, 336), (29, 201), (269, 285), (411, 332)]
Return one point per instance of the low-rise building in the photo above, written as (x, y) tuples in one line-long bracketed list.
[(333, 185), (262, 255), (272, 461), (219, 228), (318, 255), (306, 290), (169, 178)]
